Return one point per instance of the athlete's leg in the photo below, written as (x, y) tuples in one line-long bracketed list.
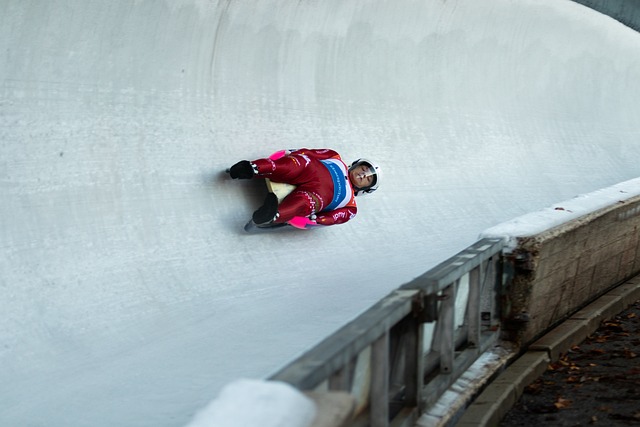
[(298, 203), (268, 211), (285, 169)]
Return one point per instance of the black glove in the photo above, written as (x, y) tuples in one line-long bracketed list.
[(242, 170)]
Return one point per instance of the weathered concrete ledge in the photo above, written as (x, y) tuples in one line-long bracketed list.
[(561, 269)]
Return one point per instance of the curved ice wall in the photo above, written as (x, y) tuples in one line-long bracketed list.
[(129, 294)]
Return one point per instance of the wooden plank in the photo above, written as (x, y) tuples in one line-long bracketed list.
[(414, 364), (446, 325), (455, 267), (473, 307), (379, 400)]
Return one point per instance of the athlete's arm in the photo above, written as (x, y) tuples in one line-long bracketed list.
[(320, 154), (338, 216)]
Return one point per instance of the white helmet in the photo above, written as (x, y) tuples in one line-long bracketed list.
[(374, 170)]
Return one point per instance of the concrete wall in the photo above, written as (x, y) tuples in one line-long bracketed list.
[(561, 269)]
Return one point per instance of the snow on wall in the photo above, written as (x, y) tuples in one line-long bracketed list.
[(536, 222)]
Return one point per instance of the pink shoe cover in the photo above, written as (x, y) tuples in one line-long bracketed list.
[(302, 222)]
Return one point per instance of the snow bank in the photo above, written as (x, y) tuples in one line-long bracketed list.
[(253, 403)]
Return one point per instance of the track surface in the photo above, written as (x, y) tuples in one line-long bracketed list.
[(128, 291)]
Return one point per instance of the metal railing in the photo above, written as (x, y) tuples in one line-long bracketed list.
[(401, 355)]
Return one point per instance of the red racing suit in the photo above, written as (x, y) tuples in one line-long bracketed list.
[(322, 185)]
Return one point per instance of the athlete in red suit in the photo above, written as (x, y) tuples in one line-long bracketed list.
[(325, 187)]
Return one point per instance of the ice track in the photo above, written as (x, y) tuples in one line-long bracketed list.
[(129, 294)]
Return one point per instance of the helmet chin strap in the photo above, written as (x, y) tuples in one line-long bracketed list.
[(358, 190)]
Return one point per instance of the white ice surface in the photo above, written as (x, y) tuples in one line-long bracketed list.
[(129, 294)]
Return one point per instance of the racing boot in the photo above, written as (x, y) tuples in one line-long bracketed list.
[(268, 212), (244, 169)]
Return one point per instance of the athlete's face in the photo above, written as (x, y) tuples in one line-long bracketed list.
[(361, 176)]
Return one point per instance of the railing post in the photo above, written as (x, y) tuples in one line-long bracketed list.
[(379, 399), (446, 324), (343, 378), (496, 281), (414, 363), (473, 307)]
